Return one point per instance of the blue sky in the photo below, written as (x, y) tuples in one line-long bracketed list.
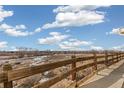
[(61, 27)]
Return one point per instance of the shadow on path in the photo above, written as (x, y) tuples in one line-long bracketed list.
[(108, 80)]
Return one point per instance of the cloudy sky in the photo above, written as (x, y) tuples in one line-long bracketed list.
[(62, 27)]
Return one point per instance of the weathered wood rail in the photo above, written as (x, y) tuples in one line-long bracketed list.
[(7, 76)]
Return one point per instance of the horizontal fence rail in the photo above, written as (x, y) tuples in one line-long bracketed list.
[(3, 77), (8, 75)]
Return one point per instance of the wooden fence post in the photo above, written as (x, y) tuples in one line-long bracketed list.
[(74, 75), (95, 61), (106, 58), (120, 56), (112, 57), (117, 57), (73, 67), (7, 67)]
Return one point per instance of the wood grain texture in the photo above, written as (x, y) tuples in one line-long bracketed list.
[(29, 71), (3, 77), (108, 59), (58, 78)]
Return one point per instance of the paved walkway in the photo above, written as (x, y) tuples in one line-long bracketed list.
[(111, 77)]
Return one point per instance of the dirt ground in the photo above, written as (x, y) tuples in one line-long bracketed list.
[(33, 80)]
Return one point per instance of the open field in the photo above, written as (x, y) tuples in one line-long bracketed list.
[(25, 61)]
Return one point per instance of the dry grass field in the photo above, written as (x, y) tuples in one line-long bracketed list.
[(35, 79)]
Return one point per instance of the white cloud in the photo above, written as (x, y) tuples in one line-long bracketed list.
[(76, 8), (119, 31), (20, 26), (76, 16), (16, 31), (97, 48), (38, 30), (3, 44), (5, 26), (4, 14), (73, 44), (121, 47), (13, 48), (54, 38), (75, 19), (68, 30)]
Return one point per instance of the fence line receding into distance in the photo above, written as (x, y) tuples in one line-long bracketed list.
[(8, 75)]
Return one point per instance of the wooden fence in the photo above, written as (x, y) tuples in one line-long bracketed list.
[(8, 75)]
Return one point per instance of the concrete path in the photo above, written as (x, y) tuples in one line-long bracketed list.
[(111, 77)]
